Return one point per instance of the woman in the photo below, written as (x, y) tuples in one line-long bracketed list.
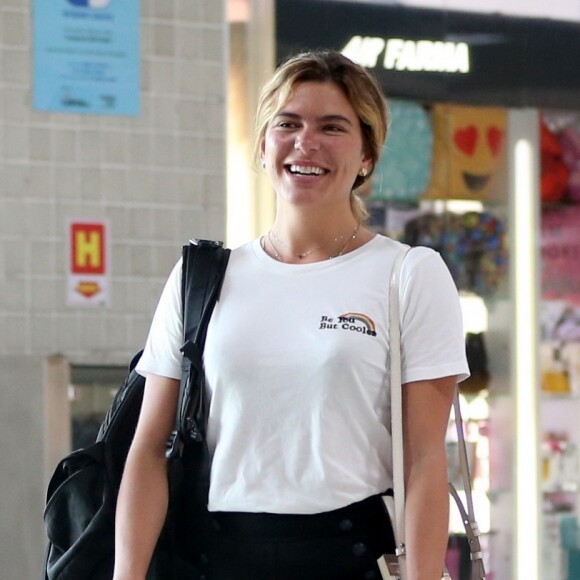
[(296, 363)]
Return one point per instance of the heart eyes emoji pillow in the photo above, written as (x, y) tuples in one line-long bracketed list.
[(467, 145)]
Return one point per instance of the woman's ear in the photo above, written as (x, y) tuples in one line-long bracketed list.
[(367, 165), (263, 153)]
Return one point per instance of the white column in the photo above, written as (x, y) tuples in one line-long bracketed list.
[(525, 262)]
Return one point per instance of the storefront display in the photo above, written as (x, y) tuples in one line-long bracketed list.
[(560, 340), (436, 67)]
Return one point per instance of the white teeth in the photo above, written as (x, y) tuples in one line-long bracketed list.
[(306, 170)]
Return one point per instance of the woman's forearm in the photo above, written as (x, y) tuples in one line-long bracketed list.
[(427, 519), (141, 511)]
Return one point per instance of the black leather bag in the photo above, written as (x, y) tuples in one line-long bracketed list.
[(82, 494)]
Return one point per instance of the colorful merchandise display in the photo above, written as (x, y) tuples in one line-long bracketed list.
[(561, 254), (472, 244)]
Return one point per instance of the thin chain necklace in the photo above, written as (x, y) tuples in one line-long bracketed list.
[(302, 255), (271, 236)]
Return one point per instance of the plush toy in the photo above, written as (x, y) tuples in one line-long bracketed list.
[(554, 172), (570, 142)]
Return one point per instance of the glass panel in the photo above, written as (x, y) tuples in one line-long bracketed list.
[(91, 392)]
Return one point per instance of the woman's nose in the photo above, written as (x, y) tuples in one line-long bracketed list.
[(306, 141)]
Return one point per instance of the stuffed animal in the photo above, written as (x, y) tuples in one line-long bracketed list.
[(570, 142), (554, 172)]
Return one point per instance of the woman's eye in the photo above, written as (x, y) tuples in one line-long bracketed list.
[(334, 129)]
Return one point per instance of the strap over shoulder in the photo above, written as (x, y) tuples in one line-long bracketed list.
[(203, 270)]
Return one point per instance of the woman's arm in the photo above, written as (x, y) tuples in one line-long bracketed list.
[(143, 496), (426, 408)]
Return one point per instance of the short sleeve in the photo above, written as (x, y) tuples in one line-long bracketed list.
[(162, 354), (432, 337)]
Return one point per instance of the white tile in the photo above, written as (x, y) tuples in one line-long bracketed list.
[(16, 142), (39, 222), (39, 181), (16, 104), (164, 10), (66, 182), (114, 183), (65, 145), (163, 40), (90, 183), (166, 224), (189, 10), (15, 340), (190, 80), (14, 180), (212, 79), (214, 43), (166, 117), (40, 147), (89, 146), (15, 29), (213, 11), (16, 64), (189, 41), (115, 147)]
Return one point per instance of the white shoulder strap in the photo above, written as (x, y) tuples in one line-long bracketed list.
[(468, 517), (396, 411)]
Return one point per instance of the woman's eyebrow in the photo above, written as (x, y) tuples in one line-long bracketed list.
[(324, 118)]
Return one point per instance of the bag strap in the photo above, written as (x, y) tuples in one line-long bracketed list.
[(396, 413), (468, 517), (204, 264)]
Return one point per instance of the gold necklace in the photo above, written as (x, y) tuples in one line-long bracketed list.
[(271, 236), (302, 255)]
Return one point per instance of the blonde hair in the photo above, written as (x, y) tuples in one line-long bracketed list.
[(360, 88)]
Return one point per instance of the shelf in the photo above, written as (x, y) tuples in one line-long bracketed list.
[(560, 396)]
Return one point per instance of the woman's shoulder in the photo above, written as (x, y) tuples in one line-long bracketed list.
[(420, 261), (395, 247)]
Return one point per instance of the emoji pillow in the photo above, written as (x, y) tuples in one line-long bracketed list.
[(468, 143)]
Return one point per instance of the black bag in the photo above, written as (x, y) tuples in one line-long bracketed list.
[(82, 494)]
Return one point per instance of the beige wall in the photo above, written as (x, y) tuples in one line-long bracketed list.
[(158, 179)]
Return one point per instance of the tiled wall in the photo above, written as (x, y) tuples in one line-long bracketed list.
[(158, 179)]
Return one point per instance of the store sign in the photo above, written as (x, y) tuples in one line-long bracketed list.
[(431, 55), (88, 272), (409, 55)]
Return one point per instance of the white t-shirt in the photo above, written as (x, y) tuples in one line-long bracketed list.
[(296, 362)]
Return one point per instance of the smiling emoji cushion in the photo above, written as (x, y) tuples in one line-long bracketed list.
[(467, 146)]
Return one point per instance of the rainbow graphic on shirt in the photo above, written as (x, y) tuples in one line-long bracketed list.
[(354, 317)]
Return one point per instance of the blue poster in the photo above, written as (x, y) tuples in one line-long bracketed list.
[(86, 56)]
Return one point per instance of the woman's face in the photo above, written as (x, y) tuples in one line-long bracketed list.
[(313, 147)]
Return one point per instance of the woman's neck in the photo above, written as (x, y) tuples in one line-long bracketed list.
[(306, 240)]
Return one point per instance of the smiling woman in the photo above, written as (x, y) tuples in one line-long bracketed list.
[(298, 421), (313, 150), (320, 126)]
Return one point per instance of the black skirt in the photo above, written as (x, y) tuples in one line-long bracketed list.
[(342, 544)]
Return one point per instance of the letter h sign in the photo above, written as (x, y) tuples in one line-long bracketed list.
[(87, 248)]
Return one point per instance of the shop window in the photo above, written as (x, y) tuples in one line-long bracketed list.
[(91, 393)]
